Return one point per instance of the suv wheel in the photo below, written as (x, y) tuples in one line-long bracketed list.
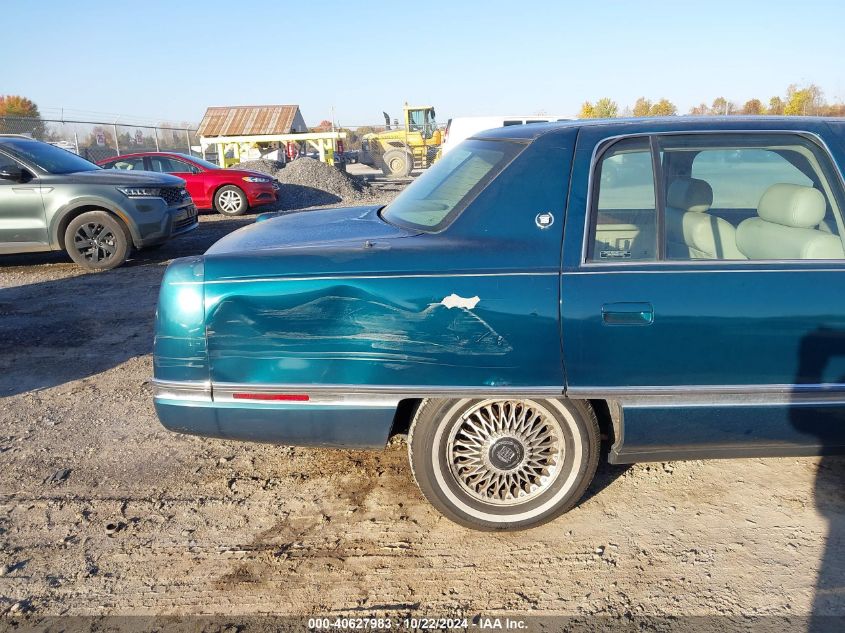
[(503, 464), (96, 240), (230, 200)]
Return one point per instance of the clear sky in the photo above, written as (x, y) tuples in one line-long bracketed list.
[(169, 60)]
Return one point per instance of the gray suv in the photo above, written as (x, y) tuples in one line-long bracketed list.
[(51, 199)]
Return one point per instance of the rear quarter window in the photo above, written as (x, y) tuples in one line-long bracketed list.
[(434, 199)]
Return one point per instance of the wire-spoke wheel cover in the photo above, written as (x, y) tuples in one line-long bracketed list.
[(506, 452), (96, 242)]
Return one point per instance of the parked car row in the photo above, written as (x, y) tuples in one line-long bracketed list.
[(52, 199), (227, 191), (672, 284)]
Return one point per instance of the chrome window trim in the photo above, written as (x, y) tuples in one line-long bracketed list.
[(609, 141)]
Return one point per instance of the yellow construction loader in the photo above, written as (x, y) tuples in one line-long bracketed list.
[(413, 144)]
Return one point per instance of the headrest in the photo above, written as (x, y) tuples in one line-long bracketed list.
[(690, 194), (792, 205)]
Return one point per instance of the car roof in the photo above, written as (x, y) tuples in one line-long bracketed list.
[(19, 137), (657, 124), (119, 156)]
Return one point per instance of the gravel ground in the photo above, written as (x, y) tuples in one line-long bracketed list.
[(307, 182), (102, 511)]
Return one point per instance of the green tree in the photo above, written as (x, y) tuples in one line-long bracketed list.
[(700, 110), (606, 108), (722, 106), (664, 107), (588, 111), (24, 117), (642, 107), (753, 106), (807, 101), (776, 106)]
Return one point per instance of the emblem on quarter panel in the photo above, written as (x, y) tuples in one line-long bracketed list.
[(454, 301), (544, 220)]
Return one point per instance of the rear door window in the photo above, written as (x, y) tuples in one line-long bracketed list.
[(167, 165), (755, 196), (740, 176), (625, 210)]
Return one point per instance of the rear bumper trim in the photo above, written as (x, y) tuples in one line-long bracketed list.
[(188, 390)]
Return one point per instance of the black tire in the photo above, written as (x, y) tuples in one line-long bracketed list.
[(97, 240), (230, 200), (397, 163), (438, 427)]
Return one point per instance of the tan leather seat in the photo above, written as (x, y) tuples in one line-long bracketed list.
[(691, 232), (786, 226)]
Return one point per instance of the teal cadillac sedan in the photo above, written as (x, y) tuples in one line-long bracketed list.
[(669, 285)]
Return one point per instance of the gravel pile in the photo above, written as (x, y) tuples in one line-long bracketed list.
[(308, 183)]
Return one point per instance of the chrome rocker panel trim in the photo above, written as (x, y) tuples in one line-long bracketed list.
[(644, 419)]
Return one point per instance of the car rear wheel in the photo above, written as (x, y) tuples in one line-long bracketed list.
[(503, 464), (96, 240), (230, 200), (397, 163)]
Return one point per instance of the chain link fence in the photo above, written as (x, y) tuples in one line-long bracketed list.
[(100, 140)]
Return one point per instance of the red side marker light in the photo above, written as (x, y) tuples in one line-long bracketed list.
[(275, 397)]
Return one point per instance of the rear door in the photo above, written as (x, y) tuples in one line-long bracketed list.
[(23, 224), (708, 355), (184, 170)]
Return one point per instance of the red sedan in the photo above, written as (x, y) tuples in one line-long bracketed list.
[(228, 191)]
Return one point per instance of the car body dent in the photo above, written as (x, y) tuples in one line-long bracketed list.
[(307, 313), (341, 297)]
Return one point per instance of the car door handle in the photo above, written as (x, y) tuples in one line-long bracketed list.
[(627, 314)]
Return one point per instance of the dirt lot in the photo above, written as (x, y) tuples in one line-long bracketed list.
[(102, 511)]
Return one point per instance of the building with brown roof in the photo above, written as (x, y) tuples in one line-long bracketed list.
[(252, 121)]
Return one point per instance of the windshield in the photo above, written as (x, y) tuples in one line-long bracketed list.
[(202, 162), (53, 160), (441, 193)]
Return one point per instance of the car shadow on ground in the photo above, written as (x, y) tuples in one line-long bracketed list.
[(55, 331), (606, 474), (822, 361)]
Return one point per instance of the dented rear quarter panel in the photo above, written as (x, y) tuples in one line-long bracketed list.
[(338, 302), (377, 311)]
